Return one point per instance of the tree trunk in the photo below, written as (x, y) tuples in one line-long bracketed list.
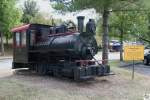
[(121, 45), (105, 40), (7, 41), (2, 44)]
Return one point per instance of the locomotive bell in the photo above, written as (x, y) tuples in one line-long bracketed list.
[(80, 23)]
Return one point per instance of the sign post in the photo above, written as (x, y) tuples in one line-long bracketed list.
[(133, 53), (133, 70)]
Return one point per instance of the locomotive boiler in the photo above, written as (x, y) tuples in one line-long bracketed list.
[(58, 50)]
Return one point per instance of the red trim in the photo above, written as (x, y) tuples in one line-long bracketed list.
[(20, 28), (20, 46), (61, 34)]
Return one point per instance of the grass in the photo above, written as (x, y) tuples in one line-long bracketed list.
[(125, 73), (116, 87)]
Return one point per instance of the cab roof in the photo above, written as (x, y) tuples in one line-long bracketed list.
[(26, 26), (20, 28)]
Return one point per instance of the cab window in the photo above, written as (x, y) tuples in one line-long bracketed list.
[(23, 38), (17, 38), (32, 37)]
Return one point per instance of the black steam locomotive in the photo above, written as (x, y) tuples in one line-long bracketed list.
[(58, 50)]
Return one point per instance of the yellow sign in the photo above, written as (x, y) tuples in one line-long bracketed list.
[(134, 52)]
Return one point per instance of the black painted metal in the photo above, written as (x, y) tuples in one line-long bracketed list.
[(80, 23), (70, 46)]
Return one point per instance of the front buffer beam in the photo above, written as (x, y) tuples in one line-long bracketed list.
[(84, 73)]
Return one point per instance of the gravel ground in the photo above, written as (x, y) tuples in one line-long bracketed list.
[(26, 85), (5, 67), (5, 63)]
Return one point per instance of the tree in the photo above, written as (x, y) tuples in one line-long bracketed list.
[(10, 16), (30, 10), (12, 19), (2, 44), (2, 7), (146, 36), (103, 7), (128, 23)]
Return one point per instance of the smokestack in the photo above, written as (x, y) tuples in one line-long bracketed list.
[(80, 23)]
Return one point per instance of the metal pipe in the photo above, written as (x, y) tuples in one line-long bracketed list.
[(80, 23)]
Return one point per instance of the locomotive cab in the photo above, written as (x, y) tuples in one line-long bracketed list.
[(20, 44), (24, 37)]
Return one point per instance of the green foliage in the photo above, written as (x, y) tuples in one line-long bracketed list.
[(130, 23), (10, 17), (146, 3), (30, 10), (146, 36), (98, 5), (59, 6)]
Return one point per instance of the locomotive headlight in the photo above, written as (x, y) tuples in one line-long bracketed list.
[(87, 53)]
